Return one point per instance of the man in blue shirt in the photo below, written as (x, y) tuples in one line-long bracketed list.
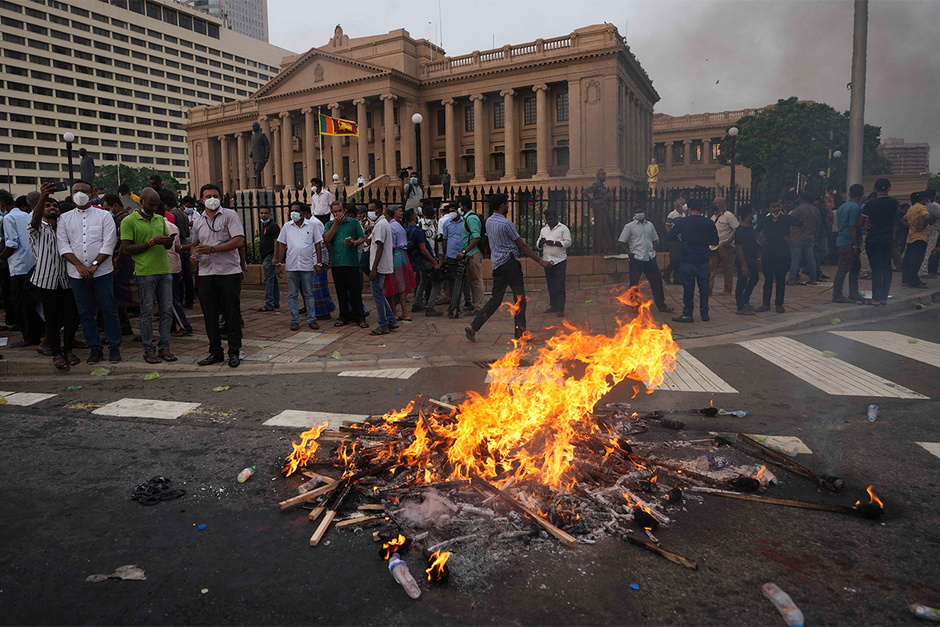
[(19, 255), (455, 264), (848, 246), (505, 247), (695, 234)]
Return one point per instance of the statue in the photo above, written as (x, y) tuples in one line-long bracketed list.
[(652, 175), (260, 151), (87, 168), (445, 181)]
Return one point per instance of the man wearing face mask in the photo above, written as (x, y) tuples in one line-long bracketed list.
[(455, 265), (555, 240), (471, 253), (412, 192), (87, 239), (267, 238), (695, 233), (302, 240), (217, 235), (773, 235), (19, 256), (639, 237), (320, 201)]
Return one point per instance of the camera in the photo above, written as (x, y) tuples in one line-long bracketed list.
[(61, 186), (405, 172)]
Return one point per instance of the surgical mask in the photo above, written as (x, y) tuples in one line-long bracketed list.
[(640, 217), (80, 199), (685, 208), (453, 215), (372, 215), (212, 204), (414, 180), (188, 210), (295, 216), (419, 212), (265, 220), (775, 214)]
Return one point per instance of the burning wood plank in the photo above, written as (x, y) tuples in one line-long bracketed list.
[(782, 461), (841, 509), (330, 515), (307, 496), (669, 555), (565, 538), (356, 521)]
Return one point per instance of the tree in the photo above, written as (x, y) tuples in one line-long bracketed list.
[(136, 178), (934, 182), (793, 137)]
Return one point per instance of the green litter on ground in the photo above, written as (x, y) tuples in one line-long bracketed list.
[(152, 376), (263, 345), (911, 340), (835, 321), (221, 388), (100, 372), (828, 354), (73, 388), (335, 355), (589, 301)]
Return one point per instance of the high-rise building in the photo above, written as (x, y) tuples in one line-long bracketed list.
[(118, 74), (248, 17), (906, 158)]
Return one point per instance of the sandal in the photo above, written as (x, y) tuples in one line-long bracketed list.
[(379, 331), (45, 351), (73, 360), (151, 358), (61, 363), (167, 356), (865, 301), (363, 325), (404, 319), (392, 327), (340, 323), (266, 308)]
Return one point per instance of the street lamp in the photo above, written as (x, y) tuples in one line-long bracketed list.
[(733, 133), (417, 118), (69, 138)]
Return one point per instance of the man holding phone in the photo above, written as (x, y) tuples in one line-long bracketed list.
[(145, 238)]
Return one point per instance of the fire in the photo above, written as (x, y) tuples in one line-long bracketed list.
[(392, 546), (304, 450), (436, 563), (872, 499), (760, 473)]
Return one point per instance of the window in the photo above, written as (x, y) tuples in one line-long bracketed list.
[(716, 149), (15, 39), (41, 45), (531, 159), (499, 114), (13, 54), (23, 150), (529, 109), (39, 60), (698, 151), (19, 102), (468, 119), (561, 108), (35, 28), (678, 153), (48, 152), (153, 10), (22, 119), (79, 11), (441, 123)]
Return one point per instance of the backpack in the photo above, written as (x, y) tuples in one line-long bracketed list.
[(484, 243)]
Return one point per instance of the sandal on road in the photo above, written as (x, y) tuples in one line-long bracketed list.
[(73, 359), (340, 323), (61, 363), (363, 325), (379, 331), (151, 358), (167, 356)]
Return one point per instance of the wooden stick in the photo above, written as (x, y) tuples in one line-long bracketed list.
[(313, 475), (781, 460), (358, 520), (303, 498), (315, 512), (669, 555), (565, 538), (371, 507), (682, 472), (442, 405), (841, 509), (330, 515)]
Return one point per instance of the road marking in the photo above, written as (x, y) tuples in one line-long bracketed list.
[(931, 447), (922, 351), (514, 374), (388, 373), (832, 376), (25, 399), (145, 408), (786, 439), (691, 375), (306, 419)]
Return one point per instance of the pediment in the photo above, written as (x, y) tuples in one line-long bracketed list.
[(314, 69)]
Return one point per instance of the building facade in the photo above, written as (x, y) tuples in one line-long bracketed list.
[(551, 111), (906, 158), (248, 17), (119, 75)]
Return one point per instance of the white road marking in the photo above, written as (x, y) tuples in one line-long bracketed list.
[(786, 439), (305, 419), (691, 375), (145, 408), (832, 376), (516, 373), (25, 399), (922, 351), (387, 373), (931, 447)]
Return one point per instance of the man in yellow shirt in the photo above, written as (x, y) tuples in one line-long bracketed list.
[(918, 221)]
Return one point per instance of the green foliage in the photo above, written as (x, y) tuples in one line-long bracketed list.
[(136, 178), (934, 182), (793, 138)]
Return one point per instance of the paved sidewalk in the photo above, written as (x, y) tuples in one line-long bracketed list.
[(270, 347)]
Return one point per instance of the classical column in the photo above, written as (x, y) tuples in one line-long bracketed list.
[(510, 134), (542, 130), (388, 120), (226, 178), (669, 155), (277, 153), (450, 138), (267, 175), (706, 150), (310, 164), (406, 140), (336, 148), (287, 152), (637, 143), (480, 143), (574, 127), (361, 141), (687, 151), (242, 155), (630, 150), (425, 164)]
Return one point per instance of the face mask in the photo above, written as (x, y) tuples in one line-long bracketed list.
[(453, 215), (295, 216), (420, 213), (144, 211), (685, 208), (372, 215), (188, 210), (640, 217), (80, 199), (212, 204), (265, 220), (775, 214), (414, 181)]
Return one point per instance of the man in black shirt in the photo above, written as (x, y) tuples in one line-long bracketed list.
[(774, 228), (745, 240), (878, 218), (267, 236), (695, 234)]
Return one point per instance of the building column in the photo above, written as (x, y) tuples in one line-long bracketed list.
[(480, 142), (669, 154), (687, 152), (631, 154), (267, 175), (510, 134), (242, 154), (426, 155), (362, 143), (226, 178), (287, 152), (310, 166), (406, 141), (574, 127), (277, 153), (542, 130), (706, 151), (450, 139), (336, 150), (388, 121), (636, 137)]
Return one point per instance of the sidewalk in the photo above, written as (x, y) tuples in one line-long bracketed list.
[(270, 347)]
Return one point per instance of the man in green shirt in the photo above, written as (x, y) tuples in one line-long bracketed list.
[(472, 232), (145, 238), (344, 235)]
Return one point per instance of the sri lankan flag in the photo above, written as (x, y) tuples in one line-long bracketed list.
[(336, 126)]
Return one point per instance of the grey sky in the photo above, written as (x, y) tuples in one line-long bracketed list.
[(702, 55)]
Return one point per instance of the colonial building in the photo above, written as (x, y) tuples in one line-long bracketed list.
[(905, 158), (551, 111)]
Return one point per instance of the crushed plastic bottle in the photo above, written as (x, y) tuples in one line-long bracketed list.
[(784, 604), (778, 445), (402, 575), (453, 398), (707, 463), (246, 473), (872, 413), (922, 611), (152, 376), (736, 414), (313, 484)]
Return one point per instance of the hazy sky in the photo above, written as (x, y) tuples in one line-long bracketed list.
[(702, 55)]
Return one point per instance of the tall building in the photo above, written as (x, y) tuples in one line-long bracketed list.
[(549, 112), (120, 75), (248, 17), (906, 158)]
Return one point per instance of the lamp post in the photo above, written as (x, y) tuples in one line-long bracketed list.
[(417, 118), (733, 133), (69, 138)]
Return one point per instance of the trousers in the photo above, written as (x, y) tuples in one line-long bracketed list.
[(555, 278), (692, 273), (746, 284), (651, 269), (509, 275), (775, 272), (849, 265), (220, 294)]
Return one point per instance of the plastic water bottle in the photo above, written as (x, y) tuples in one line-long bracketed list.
[(247, 472), (402, 575), (872, 413), (784, 604), (778, 445), (736, 414), (922, 611)]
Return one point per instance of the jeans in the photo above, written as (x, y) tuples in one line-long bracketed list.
[(9, 318), (457, 269), (671, 275), (879, 256), (802, 255), (346, 279), (25, 306), (429, 282), (91, 294), (186, 273), (382, 308), (745, 285), (179, 313), (692, 273), (272, 288), (161, 286), (849, 264), (507, 275), (58, 306), (555, 278), (220, 294), (651, 269), (301, 280), (775, 271), (913, 258), (822, 251), (721, 258)]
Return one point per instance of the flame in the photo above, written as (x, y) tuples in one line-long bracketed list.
[(711, 403), (304, 450), (637, 504), (435, 569), (392, 546), (760, 473), (653, 480), (872, 498)]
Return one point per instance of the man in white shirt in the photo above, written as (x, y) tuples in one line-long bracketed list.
[(87, 237), (555, 240), (381, 264), (303, 241), (320, 201), (638, 237), (671, 275), (722, 254)]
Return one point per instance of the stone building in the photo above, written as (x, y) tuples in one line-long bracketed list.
[(906, 158), (551, 111)]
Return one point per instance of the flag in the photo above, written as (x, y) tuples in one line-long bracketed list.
[(336, 126)]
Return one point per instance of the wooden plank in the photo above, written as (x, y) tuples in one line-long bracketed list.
[(371, 507), (563, 537), (307, 496), (315, 512), (330, 515), (669, 555), (358, 520), (825, 507), (922, 351), (442, 405)]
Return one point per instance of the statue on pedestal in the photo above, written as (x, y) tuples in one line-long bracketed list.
[(652, 175), (87, 168), (260, 152)]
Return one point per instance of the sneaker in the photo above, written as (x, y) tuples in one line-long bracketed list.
[(683, 319), (856, 297), (96, 355), (665, 309), (705, 317), (114, 354), (762, 309), (779, 309), (433, 313), (294, 326), (744, 312), (416, 308), (471, 334)]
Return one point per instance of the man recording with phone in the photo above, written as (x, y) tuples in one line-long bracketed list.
[(411, 192)]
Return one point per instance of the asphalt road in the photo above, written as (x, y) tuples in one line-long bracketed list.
[(67, 474)]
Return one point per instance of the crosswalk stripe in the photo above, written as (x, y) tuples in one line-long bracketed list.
[(306, 419), (691, 375), (516, 373), (25, 399), (922, 351), (387, 373), (145, 408), (832, 376), (931, 447)]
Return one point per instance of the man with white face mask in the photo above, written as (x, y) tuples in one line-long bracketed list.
[(87, 238), (302, 242), (639, 237)]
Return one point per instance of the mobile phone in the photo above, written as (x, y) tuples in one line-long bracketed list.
[(61, 186)]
